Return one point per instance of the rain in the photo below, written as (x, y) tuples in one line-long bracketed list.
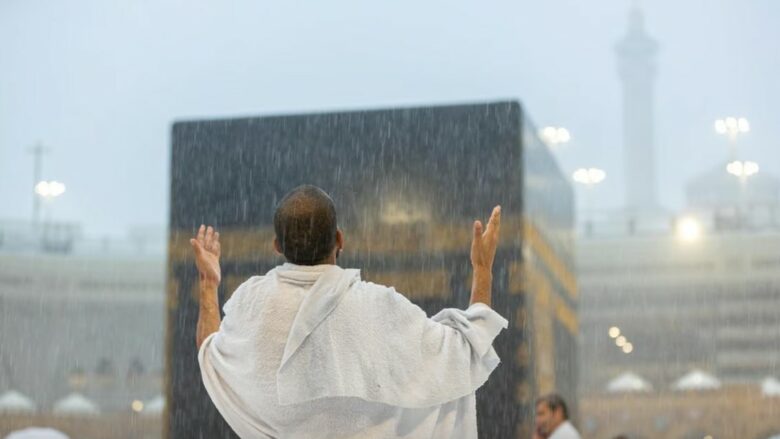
[(629, 144)]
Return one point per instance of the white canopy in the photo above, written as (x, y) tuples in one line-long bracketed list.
[(75, 404), (154, 406), (770, 387), (697, 380), (13, 401), (628, 382), (37, 433)]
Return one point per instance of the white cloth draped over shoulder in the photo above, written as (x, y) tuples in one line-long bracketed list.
[(314, 351), (565, 431)]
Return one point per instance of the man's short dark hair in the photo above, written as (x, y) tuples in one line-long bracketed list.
[(305, 225), (554, 402)]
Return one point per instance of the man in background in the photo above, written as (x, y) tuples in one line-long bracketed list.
[(552, 419)]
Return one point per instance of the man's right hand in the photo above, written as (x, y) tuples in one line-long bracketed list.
[(207, 252), (483, 244)]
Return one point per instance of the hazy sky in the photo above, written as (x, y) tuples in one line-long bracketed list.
[(99, 82)]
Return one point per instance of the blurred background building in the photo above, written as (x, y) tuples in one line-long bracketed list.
[(680, 330), (82, 328)]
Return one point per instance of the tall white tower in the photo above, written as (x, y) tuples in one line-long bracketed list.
[(636, 53)]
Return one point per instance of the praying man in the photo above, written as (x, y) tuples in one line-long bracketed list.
[(310, 350)]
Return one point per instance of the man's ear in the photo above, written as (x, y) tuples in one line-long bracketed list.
[(278, 248), (339, 239)]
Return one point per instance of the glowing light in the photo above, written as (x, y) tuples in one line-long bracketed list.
[(555, 135), (563, 135), (614, 332), (49, 189), (628, 348), (589, 176), (742, 168), (720, 126), (688, 229), (732, 125), (137, 406), (404, 212), (621, 341)]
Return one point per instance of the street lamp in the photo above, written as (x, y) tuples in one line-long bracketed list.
[(732, 126), (137, 406), (688, 229), (589, 176), (554, 136), (742, 169), (49, 189)]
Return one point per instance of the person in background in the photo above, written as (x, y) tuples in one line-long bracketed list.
[(552, 419)]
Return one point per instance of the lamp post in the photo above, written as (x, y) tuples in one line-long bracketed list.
[(49, 190), (732, 127), (554, 136), (588, 177), (37, 152), (742, 169)]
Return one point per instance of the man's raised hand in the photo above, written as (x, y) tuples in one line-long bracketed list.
[(484, 243), (207, 251)]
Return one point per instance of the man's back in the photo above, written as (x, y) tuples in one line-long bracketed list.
[(310, 350), (241, 366)]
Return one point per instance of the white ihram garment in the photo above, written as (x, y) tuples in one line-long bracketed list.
[(315, 352), (565, 431)]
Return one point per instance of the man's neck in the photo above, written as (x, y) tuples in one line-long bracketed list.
[(332, 259)]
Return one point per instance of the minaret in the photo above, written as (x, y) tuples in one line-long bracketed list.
[(636, 65)]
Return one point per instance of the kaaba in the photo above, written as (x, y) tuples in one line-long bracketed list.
[(407, 184)]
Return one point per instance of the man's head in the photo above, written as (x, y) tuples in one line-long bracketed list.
[(551, 412), (305, 226)]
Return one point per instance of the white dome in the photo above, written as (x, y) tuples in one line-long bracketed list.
[(697, 380), (154, 406), (628, 382), (37, 433), (75, 404), (13, 401), (770, 387)]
